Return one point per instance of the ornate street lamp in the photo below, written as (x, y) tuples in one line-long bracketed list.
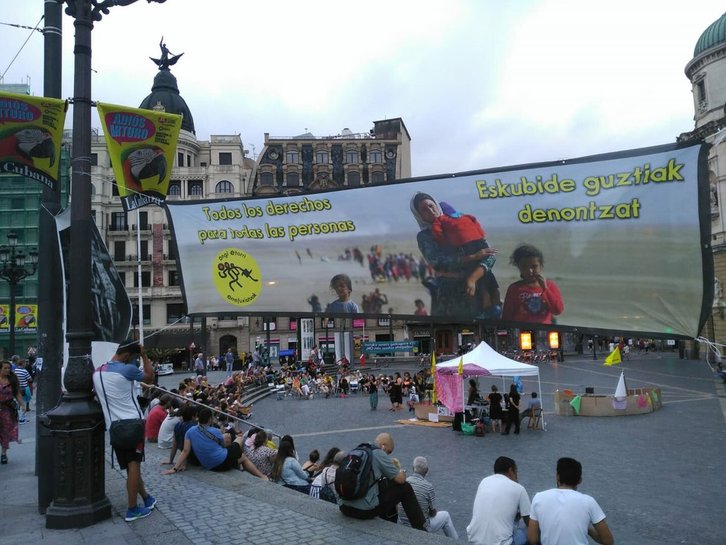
[(13, 271), (76, 424)]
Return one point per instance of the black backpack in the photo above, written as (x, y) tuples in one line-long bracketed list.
[(354, 476)]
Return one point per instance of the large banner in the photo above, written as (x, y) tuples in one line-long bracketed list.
[(616, 242), (31, 132), (142, 144)]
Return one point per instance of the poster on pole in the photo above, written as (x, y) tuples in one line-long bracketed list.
[(31, 133), (142, 147), (613, 242)]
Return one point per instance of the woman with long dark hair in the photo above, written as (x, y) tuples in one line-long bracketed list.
[(512, 410), (287, 470)]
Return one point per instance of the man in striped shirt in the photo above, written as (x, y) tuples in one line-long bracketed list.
[(24, 381), (435, 520)]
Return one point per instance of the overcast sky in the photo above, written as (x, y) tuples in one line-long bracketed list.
[(479, 84)]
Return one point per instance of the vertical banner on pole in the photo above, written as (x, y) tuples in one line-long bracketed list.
[(31, 132), (141, 144)]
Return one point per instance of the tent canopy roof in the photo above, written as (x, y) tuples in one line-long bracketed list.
[(484, 361)]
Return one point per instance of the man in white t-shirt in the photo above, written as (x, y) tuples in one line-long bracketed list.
[(499, 499), (564, 516)]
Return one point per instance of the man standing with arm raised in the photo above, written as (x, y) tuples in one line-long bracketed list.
[(115, 386)]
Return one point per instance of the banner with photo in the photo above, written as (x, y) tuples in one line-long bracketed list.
[(31, 132), (142, 147), (615, 242)]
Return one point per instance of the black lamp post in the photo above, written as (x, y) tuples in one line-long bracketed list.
[(76, 424), (13, 270)]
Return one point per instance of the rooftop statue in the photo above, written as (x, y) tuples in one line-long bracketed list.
[(167, 57)]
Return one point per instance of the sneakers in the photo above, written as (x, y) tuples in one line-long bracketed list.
[(136, 513), (150, 502)]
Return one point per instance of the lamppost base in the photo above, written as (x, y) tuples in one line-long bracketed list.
[(65, 517), (78, 437)]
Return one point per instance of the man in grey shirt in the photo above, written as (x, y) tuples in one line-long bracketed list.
[(435, 520)]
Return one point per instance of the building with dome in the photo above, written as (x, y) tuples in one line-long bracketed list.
[(707, 73)]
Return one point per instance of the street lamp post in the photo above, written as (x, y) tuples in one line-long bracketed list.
[(76, 424), (13, 270)]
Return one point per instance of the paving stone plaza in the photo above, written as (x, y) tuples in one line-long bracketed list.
[(659, 477)]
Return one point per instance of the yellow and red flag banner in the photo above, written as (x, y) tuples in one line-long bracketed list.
[(25, 318), (31, 132), (141, 144), (614, 357)]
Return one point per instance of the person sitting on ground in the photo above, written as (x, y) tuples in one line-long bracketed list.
[(260, 454), (535, 405), (287, 470), (311, 464), (389, 488), (215, 451), (156, 416), (323, 486), (435, 520), (166, 431), (188, 413)]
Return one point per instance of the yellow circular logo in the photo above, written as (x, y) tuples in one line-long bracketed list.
[(237, 276)]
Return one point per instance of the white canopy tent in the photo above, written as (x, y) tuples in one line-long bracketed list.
[(481, 361)]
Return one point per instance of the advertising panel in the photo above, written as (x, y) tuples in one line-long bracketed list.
[(616, 242)]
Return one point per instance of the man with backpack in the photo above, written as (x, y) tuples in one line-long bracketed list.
[(370, 484)]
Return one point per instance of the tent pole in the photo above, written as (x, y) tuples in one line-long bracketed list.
[(541, 400)]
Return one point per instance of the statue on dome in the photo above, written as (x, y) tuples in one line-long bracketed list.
[(167, 57)]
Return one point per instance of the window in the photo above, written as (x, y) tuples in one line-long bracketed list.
[(93, 189), (203, 164), (292, 157), (189, 160), (145, 279), (327, 322), (375, 156), (292, 179), (173, 278), (701, 90), (147, 314), (321, 157), (114, 189), (94, 159), (144, 221), (195, 188), (122, 277), (266, 178), (180, 159), (174, 312), (384, 322), (17, 203), (118, 221), (378, 177), (172, 251), (224, 187), (354, 178), (225, 158), (351, 156), (119, 250), (269, 323), (144, 250), (175, 188)]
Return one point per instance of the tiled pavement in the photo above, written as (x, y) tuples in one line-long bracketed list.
[(658, 477)]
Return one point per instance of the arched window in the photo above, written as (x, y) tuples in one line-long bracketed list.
[(196, 189), (224, 187), (175, 189), (375, 156), (353, 178), (378, 177), (292, 179), (351, 156), (266, 178)]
